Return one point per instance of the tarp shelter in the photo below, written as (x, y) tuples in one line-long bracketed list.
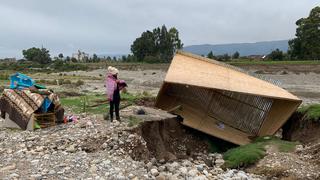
[(28, 105), (20, 108), (223, 101)]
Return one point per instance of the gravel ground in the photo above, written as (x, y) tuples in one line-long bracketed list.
[(95, 149)]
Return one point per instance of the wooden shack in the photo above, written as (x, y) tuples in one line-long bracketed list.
[(222, 101)]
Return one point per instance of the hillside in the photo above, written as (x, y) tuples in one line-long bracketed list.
[(245, 49)]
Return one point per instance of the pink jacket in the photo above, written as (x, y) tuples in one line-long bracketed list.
[(111, 85)]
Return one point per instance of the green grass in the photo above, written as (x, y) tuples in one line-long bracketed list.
[(246, 155), (96, 104), (82, 104), (311, 111), (268, 62)]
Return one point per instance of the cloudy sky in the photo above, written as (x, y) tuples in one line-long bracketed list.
[(110, 27)]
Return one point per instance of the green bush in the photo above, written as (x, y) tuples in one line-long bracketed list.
[(67, 81), (311, 111), (151, 59), (245, 155), (60, 81), (79, 83), (4, 77)]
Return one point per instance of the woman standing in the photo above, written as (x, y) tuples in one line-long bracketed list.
[(114, 86)]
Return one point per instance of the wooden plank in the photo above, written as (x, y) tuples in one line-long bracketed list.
[(280, 112), (212, 75)]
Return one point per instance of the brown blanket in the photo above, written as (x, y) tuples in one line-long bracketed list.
[(20, 105)]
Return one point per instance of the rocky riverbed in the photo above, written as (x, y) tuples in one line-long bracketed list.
[(96, 149)]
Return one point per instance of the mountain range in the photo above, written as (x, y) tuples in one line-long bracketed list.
[(245, 49)]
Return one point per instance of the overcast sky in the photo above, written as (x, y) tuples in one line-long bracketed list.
[(105, 26)]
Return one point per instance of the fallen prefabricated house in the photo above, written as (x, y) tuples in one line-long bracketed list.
[(223, 101)]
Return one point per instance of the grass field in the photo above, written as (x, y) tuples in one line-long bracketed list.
[(267, 62), (96, 103)]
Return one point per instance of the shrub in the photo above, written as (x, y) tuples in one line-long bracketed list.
[(245, 155), (60, 81), (67, 81), (151, 59), (311, 111), (4, 77), (42, 81), (79, 83)]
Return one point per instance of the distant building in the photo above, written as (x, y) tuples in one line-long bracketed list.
[(256, 57), (80, 56)]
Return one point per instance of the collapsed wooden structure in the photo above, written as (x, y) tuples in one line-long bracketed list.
[(222, 101)]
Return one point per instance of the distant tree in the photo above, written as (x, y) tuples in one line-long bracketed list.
[(114, 58), (159, 43), (236, 55), (60, 55), (210, 55), (224, 57), (39, 55), (151, 59), (68, 59), (109, 58), (95, 58), (306, 44), (144, 46), (131, 58), (74, 60), (276, 55), (124, 58)]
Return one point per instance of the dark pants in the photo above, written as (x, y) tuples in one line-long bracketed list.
[(114, 105)]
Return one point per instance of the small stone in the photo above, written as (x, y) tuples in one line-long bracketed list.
[(51, 172), (186, 163), (193, 172), (183, 170), (205, 172), (299, 148), (36, 176), (162, 168), (71, 149), (121, 177), (8, 168), (162, 161), (219, 162), (208, 162), (200, 167), (131, 176), (161, 177), (149, 165), (14, 175), (201, 177), (154, 161), (154, 172), (93, 169)]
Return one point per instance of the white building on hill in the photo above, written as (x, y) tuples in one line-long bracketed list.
[(80, 56)]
